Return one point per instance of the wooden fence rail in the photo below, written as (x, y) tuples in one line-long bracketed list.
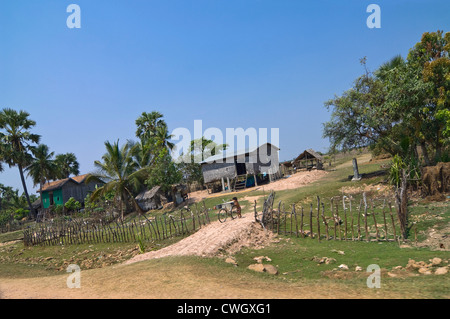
[(339, 218), (81, 231)]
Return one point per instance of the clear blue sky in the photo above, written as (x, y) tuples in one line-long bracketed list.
[(230, 63)]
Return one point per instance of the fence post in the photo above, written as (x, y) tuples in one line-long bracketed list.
[(365, 217), (318, 218)]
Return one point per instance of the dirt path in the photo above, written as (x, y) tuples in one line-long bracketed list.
[(171, 278), (296, 180), (215, 239)]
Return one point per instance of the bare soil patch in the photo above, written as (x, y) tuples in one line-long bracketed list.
[(215, 239), (379, 190), (297, 180)]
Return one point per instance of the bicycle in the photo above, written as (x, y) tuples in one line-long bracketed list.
[(225, 210)]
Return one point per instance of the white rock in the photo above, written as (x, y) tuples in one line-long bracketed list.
[(441, 271), (343, 267)]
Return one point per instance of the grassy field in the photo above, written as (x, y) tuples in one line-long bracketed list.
[(295, 258)]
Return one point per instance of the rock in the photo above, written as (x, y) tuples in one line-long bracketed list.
[(392, 275), (424, 271), (260, 259), (358, 268), (412, 264), (257, 267), (323, 260), (330, 261), (436, 261), (231, 260), (397, 268), (270, 269), (340, 252), (343, 267), (441, 271)]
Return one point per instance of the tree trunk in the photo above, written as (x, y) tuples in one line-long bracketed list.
[(426, 157), (402, 205), (32, 212), (40, 193)]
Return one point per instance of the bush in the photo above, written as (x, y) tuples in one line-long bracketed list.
[(21, 213), (72, 204)]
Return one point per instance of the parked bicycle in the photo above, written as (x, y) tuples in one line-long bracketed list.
[(227, 209)]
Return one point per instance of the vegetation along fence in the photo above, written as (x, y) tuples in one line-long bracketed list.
[(85, 231), (354, 217)]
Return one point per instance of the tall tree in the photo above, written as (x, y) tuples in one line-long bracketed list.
[(154, 138), (121, 174), (67, 165), (401, 106), (148, 123), (17, 142), (42, 168), (199, 150)]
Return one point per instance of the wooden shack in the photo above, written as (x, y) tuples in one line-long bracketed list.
[(58, 192), (241, 169), (151, 199), (308, 160)]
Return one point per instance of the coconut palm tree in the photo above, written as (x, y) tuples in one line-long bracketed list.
[(120, 173), (16, 142), (67, 165), (42, 168)]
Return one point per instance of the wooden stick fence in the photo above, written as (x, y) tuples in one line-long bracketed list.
[(79, 231), (344, 220)]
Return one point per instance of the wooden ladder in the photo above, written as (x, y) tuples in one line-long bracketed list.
[(240, 182)]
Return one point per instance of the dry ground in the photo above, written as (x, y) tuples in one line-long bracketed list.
[(171, 278)]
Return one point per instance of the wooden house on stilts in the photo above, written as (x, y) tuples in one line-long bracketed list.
[(233, 171)]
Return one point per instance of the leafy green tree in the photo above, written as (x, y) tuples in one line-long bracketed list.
[(401, 106), (164, 173), (431, 58), (189, 164), (17, 142), (121, 174)]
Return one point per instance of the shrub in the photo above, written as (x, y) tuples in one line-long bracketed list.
[(21, 213), (72, 204)]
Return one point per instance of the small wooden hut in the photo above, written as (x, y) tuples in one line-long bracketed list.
[(151, 199), (308, 160)]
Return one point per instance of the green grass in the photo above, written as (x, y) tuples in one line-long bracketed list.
[(294, 260), (14, 235)]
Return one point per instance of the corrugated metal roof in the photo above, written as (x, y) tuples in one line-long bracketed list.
[(60, 183), (311, 152), (230, 154)]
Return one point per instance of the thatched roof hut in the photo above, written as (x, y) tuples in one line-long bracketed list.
[(151, 199), (309, 159)]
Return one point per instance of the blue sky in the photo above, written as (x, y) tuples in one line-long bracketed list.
[(230, 63)]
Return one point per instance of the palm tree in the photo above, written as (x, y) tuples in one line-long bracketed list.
[(154, 139), (162, 137), (43, 167), (17, 142), (147, 124), (67, 165), (121, 174)]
